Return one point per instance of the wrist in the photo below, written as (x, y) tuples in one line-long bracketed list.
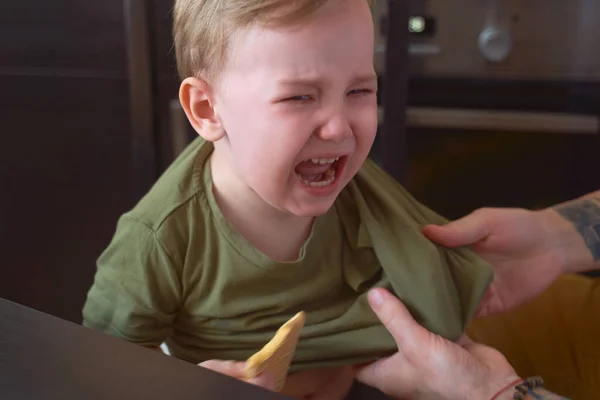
[(567, 244), (503, 390), (554, 231), (522, 389)]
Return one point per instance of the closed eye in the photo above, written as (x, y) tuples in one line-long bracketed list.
[(358, 92), (304, 97)]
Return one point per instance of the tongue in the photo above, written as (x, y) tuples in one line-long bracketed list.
[(311, 171)]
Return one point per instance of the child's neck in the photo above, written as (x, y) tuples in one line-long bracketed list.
[(277, 234)]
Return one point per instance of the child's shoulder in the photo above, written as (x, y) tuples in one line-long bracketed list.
[(374, 192), (178, 193)]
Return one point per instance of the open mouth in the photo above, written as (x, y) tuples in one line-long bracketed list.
[(320, 172)]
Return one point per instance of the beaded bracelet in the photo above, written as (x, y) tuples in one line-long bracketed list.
[(522, 387)]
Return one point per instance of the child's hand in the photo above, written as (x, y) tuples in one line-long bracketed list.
[(320, 384), (235, 369)]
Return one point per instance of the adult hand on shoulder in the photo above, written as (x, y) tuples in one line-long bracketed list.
[(428, 366), (235, 369), (521, 246)]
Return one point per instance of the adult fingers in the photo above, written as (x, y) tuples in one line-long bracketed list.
[(395, 317), (465, 231)]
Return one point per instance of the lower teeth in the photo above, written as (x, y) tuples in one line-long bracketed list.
[(327, 179)]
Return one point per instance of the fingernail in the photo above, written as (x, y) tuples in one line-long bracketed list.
[(376, 298)]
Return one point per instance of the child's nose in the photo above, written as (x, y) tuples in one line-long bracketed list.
[(336, 129)]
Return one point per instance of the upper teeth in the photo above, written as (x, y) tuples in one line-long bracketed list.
[(324, 160)]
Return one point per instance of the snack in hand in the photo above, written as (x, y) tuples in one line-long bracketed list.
[(276, 356)]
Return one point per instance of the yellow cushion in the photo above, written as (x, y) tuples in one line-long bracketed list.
[(556, 336)]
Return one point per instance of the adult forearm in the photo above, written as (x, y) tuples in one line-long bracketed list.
[(543, 394), (531, 388), (533, 394), (574, 228)]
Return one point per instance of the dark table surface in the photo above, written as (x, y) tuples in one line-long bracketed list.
[(43, 357)]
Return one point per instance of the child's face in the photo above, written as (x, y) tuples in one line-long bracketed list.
[(296, 94)]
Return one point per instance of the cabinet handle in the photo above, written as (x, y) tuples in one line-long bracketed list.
[(509, 121), (415, 49)]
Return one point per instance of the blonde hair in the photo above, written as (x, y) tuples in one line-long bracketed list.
[(202, 28)]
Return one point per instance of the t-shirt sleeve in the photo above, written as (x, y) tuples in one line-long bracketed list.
[(136, 290)]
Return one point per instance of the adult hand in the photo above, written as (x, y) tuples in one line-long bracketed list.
[(428, 366), (522, 246)]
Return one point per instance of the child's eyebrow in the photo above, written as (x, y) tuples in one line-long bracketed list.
[(302, 81), (369, 78)]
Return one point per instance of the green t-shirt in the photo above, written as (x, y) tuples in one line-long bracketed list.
[(177, 271)]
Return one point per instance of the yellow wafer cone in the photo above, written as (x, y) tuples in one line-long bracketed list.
[(276, 356)]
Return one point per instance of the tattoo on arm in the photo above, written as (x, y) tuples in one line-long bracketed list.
[(585, 217)]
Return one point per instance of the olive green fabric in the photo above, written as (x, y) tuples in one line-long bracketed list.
[(177, 271)]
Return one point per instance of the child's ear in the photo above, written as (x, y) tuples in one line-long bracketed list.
[(196, 99)]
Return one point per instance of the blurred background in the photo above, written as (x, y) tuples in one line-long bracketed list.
[(482, 103)]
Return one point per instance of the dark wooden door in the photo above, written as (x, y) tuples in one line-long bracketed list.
[(70, 161)]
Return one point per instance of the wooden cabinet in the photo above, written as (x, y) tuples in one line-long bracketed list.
[(71, 159)]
